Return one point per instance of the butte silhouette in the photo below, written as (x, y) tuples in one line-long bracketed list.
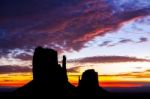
[(89, 85), (50, 79)]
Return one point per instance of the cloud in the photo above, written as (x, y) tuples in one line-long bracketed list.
[(105, 43), (23, 56), (61, 24), (143, 39), (109, 59), (13, 69), (125, 41), (73, 69), (122, 41), (110, 44)]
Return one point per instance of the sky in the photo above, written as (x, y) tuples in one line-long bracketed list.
[(110, 36)]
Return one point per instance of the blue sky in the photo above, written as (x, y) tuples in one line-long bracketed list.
[(132, 39)]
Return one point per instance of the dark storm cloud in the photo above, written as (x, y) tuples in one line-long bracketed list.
[(13, 69), (59, 24), (109, 59)]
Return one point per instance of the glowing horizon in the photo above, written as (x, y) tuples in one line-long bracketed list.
[(136, 78)]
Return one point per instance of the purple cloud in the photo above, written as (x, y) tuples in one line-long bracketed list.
[(105, 43), (14, 69), (125, 41), (60, 24), (142, 39), (109, 59)]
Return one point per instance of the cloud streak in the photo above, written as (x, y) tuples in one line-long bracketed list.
[(109, 59), (108, 43), (105, 43), (13, 69), (73, 70)]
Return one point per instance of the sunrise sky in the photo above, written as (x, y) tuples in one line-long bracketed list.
[(110, 36)]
